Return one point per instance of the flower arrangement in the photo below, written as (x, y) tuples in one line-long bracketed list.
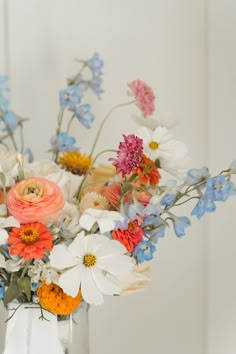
[(73, 229)]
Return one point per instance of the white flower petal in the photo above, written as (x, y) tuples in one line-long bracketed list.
[(2, 262), (70, 280), (9, 222), (61, 258), (90, 292), (110, 248), (3, 236), (77, 246), (107, 284), (86, 221), (116, 265)]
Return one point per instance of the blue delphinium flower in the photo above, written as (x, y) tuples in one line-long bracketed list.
[(180, 223), (95, 85), (144, 251), (203, 205), (168, 199), (196, 175), (69, 97), (63, 142), (95, 64), (84, 115), (11, 120), (157, 227), (27, 152), (4, 103), (219, 188)]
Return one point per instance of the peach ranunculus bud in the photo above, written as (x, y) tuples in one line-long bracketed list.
[(35, 199)]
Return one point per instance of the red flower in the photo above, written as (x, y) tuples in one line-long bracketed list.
[(129, 237)]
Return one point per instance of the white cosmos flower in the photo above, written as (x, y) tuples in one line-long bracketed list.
[(4, 223), (106, 219), (93, 263), (160, 144)]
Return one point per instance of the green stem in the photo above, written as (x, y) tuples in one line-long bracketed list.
[(105, 119), (187, 200), (78, 194), (69, 123), (25, 268)]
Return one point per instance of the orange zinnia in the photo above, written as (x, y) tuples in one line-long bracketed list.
[(53, 299), (129, 237), (29, 240)]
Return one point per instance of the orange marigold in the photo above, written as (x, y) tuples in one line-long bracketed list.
[(53, 299), (147, 172)]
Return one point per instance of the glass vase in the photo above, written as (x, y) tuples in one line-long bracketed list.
[(31, 330)]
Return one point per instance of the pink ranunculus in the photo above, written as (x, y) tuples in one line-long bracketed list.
[(144, 95), (35, 199)]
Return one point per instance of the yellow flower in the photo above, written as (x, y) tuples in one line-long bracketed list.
[(75, 162), (53, 299)]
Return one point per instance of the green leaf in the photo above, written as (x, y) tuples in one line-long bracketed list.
[(25, 285), (12, 292)]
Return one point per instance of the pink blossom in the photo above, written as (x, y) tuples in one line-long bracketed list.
[(144, 96), (129, 155)]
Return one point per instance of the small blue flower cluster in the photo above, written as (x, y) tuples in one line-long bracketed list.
[(198, 184), (70, 98)]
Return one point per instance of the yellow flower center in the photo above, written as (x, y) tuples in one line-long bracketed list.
[(153, 145), (89, 260), (29, 235)]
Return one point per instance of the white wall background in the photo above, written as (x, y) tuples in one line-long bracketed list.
[(191, 306)]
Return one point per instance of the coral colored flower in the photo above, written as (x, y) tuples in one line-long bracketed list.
[(53, 299), (112, 192), (75, 162), (29, 240), (35, 199), (147, 172), (129, 237), (144, 96), (129, 154)]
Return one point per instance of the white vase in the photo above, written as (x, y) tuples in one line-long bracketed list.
[(29, 330)]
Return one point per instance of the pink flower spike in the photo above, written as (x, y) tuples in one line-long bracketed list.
[(144, 95), (129, 155)]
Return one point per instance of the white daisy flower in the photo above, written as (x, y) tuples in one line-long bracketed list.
[(160, 144), (93, 263), (106, 219)]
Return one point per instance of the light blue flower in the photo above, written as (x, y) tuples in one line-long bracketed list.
[(4, 103), (196, 175), (154, 227), (168, 199), (144, 251), (27, 152), (219, 188), (203, 205), (63, 142), (95, 64), (3, 84), (84, 115), (11, 120), (69, 97), (180, 223), (95, 85)]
